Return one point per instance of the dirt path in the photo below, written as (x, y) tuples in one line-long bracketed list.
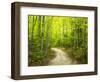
[(61, 58)]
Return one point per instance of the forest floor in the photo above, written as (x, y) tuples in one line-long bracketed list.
[(61, 57)]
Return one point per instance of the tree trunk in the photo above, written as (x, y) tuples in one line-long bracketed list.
[(28, 27), (34, 22), (42, 27), (39, 31), (47, 33)]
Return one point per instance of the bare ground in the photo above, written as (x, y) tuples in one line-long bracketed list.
[(61, 58)]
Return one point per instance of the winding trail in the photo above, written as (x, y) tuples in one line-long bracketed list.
[(61, 58)]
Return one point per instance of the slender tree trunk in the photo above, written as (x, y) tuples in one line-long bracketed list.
[(34, 22), (42, 34), (63, 32), (39, 30), (56, 34), (28, 27), (32, 29), (47, 33), (61, 35), (50, 32)]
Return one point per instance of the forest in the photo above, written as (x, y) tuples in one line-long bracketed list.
[(57, 40)]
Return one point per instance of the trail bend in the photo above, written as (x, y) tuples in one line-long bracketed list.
[(61, 57)]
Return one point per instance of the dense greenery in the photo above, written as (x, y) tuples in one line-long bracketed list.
[(45, 32)]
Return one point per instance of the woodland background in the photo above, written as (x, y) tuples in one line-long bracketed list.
[(64, 32)]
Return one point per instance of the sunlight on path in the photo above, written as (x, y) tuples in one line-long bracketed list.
[(61, 58)]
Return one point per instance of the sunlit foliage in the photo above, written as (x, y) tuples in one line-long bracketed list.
[(45, 32)]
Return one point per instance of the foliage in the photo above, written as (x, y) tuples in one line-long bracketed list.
[(45, 32)]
